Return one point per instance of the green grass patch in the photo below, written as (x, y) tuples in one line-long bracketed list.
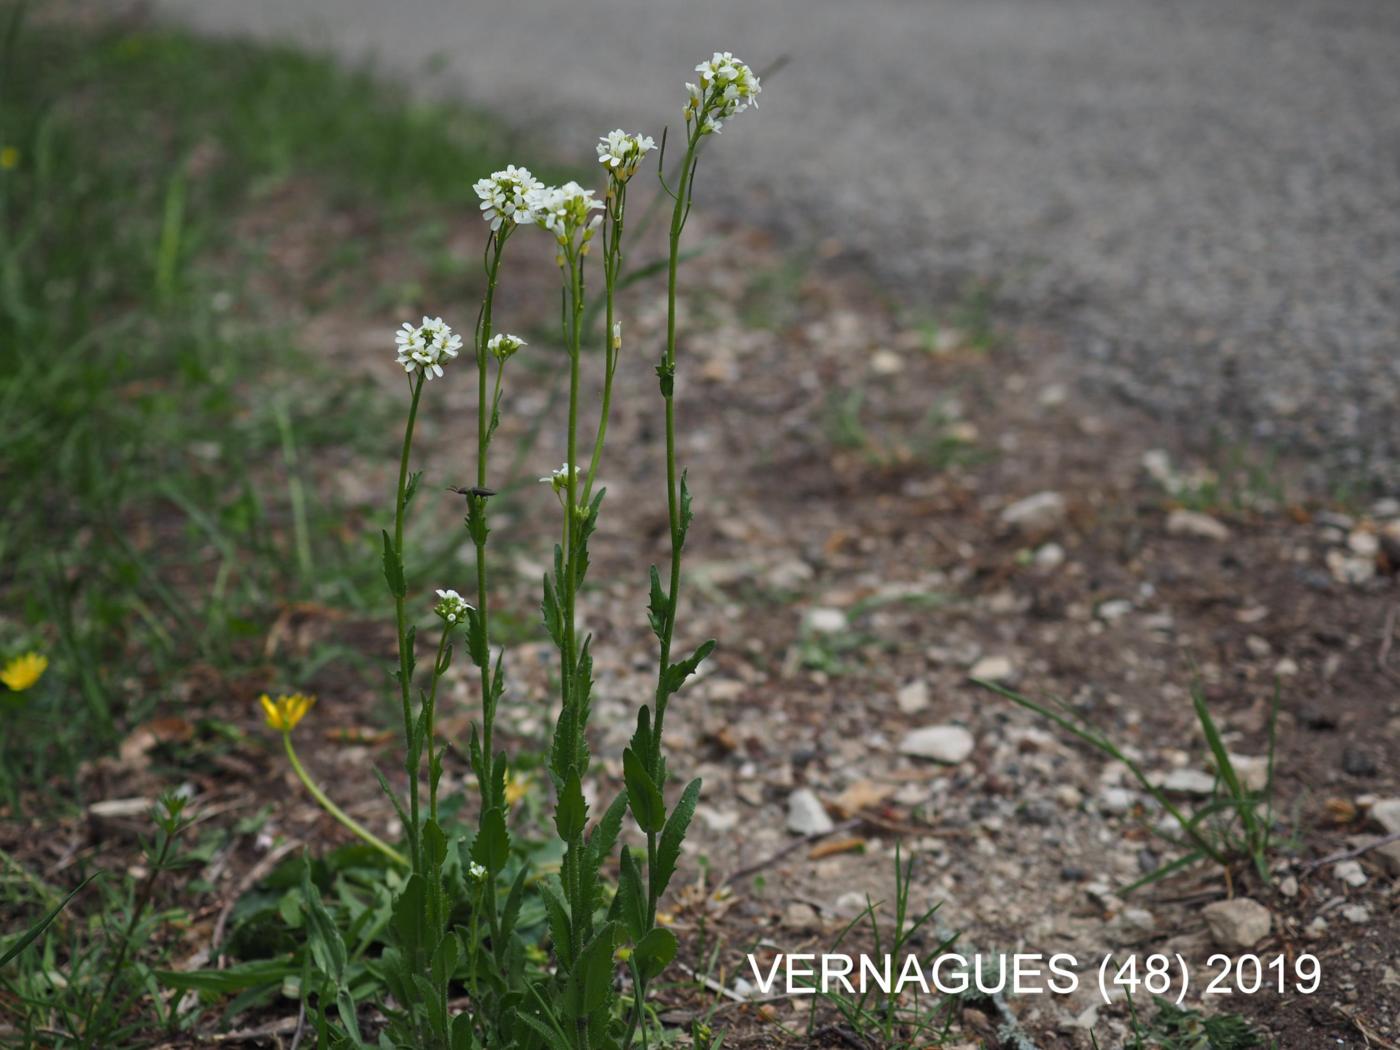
[(149, 391)]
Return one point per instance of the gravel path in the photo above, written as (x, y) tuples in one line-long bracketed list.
[(1204, 197)]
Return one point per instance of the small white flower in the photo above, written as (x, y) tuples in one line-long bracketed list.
[(476, 872), (426, 347), (727, 87), (505, 196), (502, 346), (559, 480), (621, 153), (563, 211), (452, 607)]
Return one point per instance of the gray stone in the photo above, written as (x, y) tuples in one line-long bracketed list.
[(950, 744), (994, 669), (806, 814), (1193, 523), (1238, 924), (825, 621), (912, 697), (1039, 513)]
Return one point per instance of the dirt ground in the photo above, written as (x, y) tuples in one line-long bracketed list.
[(851, 470)]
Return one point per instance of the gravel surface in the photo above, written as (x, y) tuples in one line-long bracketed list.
[(1205, 198)]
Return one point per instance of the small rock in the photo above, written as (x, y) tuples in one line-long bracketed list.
[(1049, 556), (1136, 923), (1286, 667), (912, 697), (886, 362), (1259, 648), (1157, 465), (1316, 929), (1357, 913), (1182, 522), (1114, 609), (1288, 886), (800, 915), (825, 621), (1115, 800), (950, 744), (1349, 871), (1386, 813), (806, 814), (993, 669), (850, 904), (1253, 770), (1239, 923), (1039, 513), (1358, 763), (1366, 544), (788, 575), (1350, 568), (718, 820), (1188, 782)]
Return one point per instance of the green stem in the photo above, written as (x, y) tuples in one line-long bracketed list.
[(348, 822), (484, 414), (429, 731), (401, 623), (612, 265)]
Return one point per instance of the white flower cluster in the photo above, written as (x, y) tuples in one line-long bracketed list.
[(621, 153), (559, 480), (506, 196), (452, 607), (475, 872), (502, 346), (727, 87), (563, 211), (426, 347)]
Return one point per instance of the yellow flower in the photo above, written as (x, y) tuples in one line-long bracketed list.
[(517, 787), (286, 711), (23, 671), (9, 158)]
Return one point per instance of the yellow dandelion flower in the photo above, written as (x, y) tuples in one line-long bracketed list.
[(9, 158), (23, 671), (286, 711)]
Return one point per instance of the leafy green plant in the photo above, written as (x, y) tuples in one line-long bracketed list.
[(1236, 823), (1178, 1028), (455, 900), (898, 1021), (88, 1002)]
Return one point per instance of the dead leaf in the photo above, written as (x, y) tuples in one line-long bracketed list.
[(831, 847), (863, 794)]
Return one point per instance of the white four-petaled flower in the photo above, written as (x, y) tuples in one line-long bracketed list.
[(559, 479), (505, 196), (727, 87), (451, 606), (563, 211), (426, 347), (621, 153), (502, 346)]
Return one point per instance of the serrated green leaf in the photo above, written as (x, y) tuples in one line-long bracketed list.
[(668, 850), (648, 807), (492, 847), (679, 671), (393, 567), (631, 899), (658, 608), (590, 981), (654, 952), (559, 925), (571, 811)]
